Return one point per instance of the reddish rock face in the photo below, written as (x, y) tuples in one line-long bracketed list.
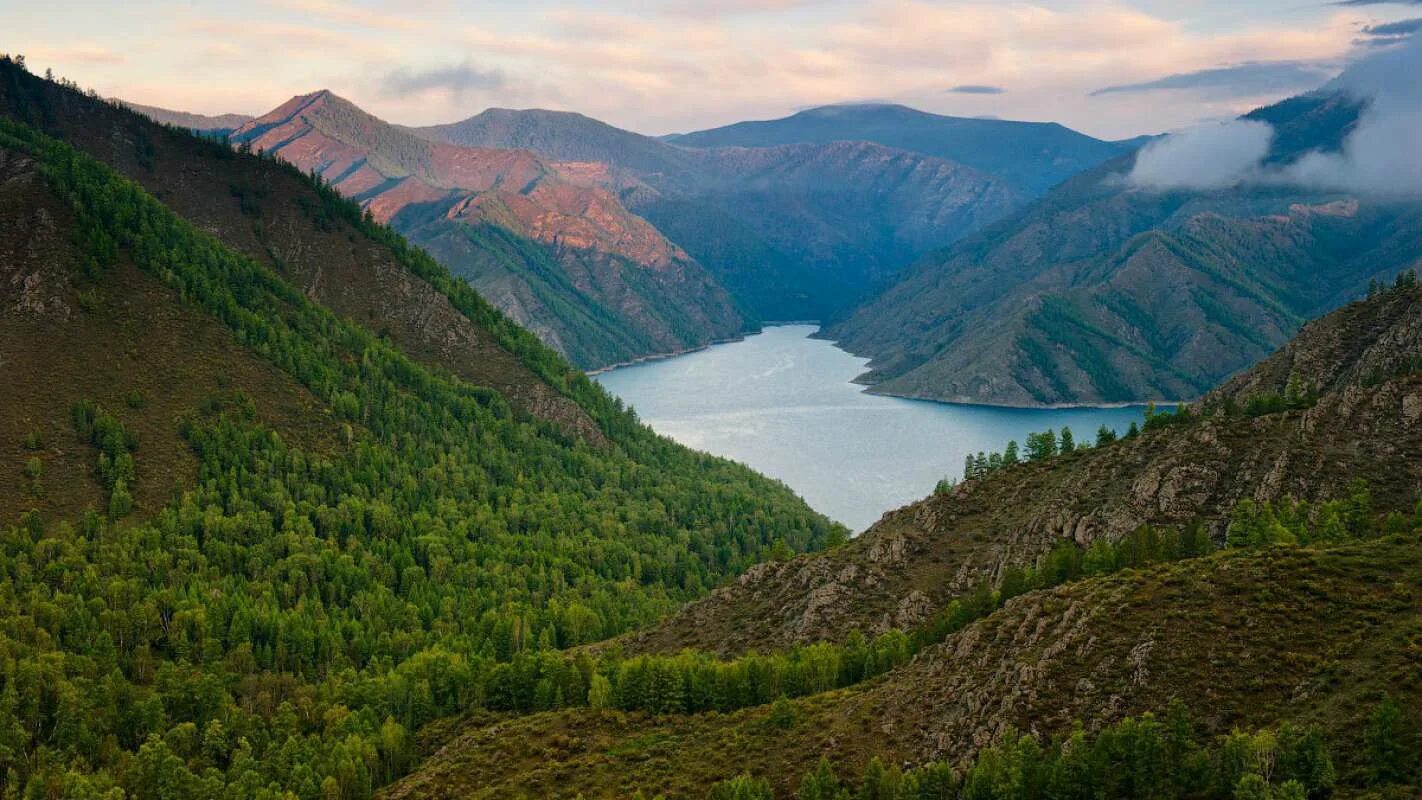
[(610, 287), (389, 170)]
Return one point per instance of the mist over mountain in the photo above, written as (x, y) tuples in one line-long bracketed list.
[(1151, 277)]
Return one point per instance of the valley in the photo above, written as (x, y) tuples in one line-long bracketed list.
[(350, 453)]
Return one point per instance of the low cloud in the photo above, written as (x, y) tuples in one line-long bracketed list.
[(1247, 79), (456, 80), (1382, 156), (1207, 157), (972, 88)]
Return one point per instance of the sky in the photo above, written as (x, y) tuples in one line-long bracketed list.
[(1110, 69)]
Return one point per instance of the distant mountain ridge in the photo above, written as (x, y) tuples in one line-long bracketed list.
[(795, 230), (1033, 156), (566, 260), (203, 123)]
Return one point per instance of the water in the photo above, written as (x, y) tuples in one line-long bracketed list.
[(783, 403)]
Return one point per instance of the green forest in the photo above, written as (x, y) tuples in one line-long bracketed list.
[(282, 627)]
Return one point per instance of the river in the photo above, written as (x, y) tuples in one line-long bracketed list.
[(784, 404)]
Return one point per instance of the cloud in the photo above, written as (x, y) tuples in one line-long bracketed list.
[(1206, 157), (1248, 79), (974, 88), (1403, 27), (1382, 155), (1357, 3), (456, 80), (1391, 33), (715, 9)]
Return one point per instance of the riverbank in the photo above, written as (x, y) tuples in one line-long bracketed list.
[(740, 337)]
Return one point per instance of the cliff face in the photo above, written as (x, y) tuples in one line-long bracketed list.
[(595, 281), (1366, 423)]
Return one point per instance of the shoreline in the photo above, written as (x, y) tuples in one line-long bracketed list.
[(673, 354), (868, 389)]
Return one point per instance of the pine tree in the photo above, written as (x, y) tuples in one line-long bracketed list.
[(1068, 442), (1105, 436), (1010, 456), (1387, 751)]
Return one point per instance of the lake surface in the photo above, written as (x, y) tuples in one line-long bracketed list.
[(783, 403)]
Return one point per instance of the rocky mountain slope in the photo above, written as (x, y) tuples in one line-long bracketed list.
[(1105, 292), (567, 261), (1031, 156), (796, 231), (1361, 360)]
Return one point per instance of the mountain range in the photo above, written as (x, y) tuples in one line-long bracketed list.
[(812, 214), (1031, 156), (1105, 291), (289, 458)]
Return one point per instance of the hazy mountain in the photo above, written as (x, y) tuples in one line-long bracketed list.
[(565, 260), (1106, 291), (1032, 156), (796, 231), (220, 124)]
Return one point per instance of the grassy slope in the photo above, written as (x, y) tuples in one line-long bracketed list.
[(1244, 638)]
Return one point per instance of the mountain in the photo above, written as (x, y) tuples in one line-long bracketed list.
[(219, 124), (1253, 565), (1105, 292), (567, 261), (1031, 156), (795, 231), (279, 485)]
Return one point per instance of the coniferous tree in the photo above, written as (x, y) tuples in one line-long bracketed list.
[(1105, 436)]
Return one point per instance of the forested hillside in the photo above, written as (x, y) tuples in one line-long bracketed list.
[(251, 543), (1105, 291)]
